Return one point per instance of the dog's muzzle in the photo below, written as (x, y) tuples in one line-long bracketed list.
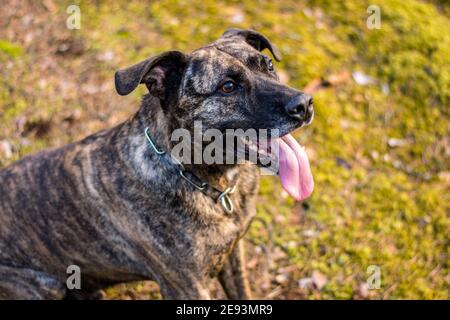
[(300, 107)]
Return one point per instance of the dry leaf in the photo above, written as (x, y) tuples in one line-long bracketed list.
[(319, 279), (6, 149)]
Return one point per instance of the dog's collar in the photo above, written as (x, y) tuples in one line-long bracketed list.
[(220, 196)]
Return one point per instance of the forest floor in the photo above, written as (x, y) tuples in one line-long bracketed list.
[(379, 146)]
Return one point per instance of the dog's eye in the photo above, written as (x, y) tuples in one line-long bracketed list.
[(270, 66), (228, 87)]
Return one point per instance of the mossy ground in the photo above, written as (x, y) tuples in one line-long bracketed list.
[(379, 152)]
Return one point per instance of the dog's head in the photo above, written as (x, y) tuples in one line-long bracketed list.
[(228, 84)]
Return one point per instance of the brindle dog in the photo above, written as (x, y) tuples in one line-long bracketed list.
[(114, 207)]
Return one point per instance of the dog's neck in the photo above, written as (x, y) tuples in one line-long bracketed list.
[(143, 158)]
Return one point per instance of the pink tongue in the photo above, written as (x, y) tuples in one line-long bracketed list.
[(294, 171)]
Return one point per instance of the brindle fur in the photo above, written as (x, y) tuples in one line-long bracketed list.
[(119, 211)]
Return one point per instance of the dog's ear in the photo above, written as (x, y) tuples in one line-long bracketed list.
[(155, 72), (255, 39)]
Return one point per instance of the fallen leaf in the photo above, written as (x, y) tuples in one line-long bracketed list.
[(278, 254), (362, 79), (313, 86), (105, 56), (6, 149), (310, 233), (444, 176), (283, 75), (385, 89), (305, 283), (50, 6), (374, 154), (281, 278), (332, 80), (394, 143), (338, 78), (238, 18), (363, 290), (71, 46), (319, 279)]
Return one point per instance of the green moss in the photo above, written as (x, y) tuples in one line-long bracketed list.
[(9, 50), (374, 203)]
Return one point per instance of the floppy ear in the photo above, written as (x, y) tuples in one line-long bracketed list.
[(155, 72), (255, 39)]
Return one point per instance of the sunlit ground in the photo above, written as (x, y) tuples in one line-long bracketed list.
[(378, 147)]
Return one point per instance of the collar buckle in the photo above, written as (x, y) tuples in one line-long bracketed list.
[(225, 199)]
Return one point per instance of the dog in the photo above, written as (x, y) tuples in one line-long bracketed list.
[(116, 206)]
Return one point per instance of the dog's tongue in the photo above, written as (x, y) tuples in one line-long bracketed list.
[(294, 170)]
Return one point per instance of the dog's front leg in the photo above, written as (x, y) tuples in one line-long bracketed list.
[(233, 276), (184, 289)]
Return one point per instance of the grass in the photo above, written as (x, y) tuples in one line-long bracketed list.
[(379, 152)]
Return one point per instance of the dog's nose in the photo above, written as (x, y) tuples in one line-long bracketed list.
[(300, 107)]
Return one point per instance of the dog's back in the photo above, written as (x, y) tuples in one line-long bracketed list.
[(49, 215)]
